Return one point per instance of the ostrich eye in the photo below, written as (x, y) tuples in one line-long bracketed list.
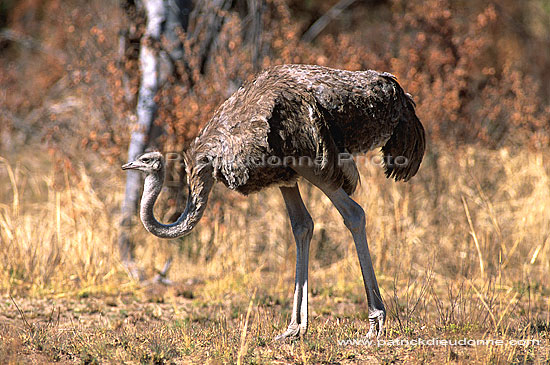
[(145, 160)]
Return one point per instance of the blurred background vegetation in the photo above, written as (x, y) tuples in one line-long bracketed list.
[(479, 71)]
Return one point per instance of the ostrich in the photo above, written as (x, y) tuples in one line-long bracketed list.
[(296, 121)]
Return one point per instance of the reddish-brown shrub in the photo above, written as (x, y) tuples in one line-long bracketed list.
[(475, 77)]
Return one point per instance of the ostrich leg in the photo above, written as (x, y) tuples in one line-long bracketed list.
[(302, 227), (354, 219)]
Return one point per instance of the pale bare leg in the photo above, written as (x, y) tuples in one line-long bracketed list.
[(354, 219), (302, 227)]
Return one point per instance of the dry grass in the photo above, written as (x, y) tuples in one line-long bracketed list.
[(463, 251)]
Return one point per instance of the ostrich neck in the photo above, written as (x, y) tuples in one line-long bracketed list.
[(196, 203)]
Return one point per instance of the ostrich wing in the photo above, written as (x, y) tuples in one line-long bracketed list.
[(302, 110)]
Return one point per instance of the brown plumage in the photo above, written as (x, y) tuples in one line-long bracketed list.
[(298, 120), (309, 111)]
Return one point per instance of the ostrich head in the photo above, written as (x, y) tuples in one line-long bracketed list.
[(200, 183), (149, 163)]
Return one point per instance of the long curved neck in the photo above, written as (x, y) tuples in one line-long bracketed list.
[(200, 187)]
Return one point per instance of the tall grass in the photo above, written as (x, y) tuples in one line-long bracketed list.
[(56, 232), (473, 221)]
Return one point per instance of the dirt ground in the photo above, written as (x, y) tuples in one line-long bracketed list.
[(169, 325)]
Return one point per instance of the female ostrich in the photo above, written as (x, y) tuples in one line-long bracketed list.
[(292, 121)]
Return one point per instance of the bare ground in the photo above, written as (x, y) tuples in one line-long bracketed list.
[(170, 325)]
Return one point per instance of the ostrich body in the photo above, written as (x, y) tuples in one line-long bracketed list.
[(296, 121)]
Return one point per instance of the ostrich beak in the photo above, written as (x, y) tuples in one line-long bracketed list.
[(129, 166)]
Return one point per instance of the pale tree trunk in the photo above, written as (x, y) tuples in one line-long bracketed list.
[(163, 19)]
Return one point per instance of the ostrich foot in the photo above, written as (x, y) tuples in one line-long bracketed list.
[(376, 320), (293, 330)]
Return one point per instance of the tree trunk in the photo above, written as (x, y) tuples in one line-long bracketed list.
[(163, 19)]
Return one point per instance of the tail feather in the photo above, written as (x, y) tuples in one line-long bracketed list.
[(404, 150)]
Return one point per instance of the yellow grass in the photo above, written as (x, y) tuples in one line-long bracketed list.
[(463, 247)]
